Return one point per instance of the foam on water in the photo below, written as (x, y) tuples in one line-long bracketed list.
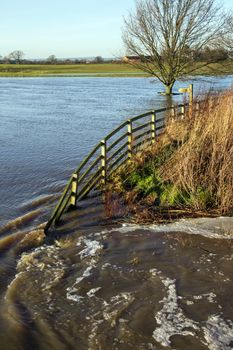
[(89, 253), (219, 228), (92, 292), (218, 333), (92, 247), (171, 319), (72, 291)]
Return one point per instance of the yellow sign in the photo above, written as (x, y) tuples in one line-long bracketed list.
[(184, 90)]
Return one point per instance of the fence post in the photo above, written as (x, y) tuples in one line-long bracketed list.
[(130, 139), (103, 162), (74, 188), (190, 100), (182, 111), (173, 113), (191, 94), (153, 118)]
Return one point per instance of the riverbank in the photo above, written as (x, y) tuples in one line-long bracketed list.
[(98, 70), (187, 172)]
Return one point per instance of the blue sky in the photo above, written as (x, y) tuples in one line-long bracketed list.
[(71, 28)]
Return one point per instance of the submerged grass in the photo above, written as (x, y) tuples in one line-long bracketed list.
[(189, 168)]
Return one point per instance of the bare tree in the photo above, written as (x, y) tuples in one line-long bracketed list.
[(164, 33), (17, 55), (227, 39)]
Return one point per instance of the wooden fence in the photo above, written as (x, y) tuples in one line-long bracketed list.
[(110, 154)]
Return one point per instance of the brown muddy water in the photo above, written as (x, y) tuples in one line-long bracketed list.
[(120, 287)]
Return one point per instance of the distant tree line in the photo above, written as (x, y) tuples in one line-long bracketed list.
[(205, 54), (17, 57)]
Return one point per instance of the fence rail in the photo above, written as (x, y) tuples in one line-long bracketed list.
[(111, 153)]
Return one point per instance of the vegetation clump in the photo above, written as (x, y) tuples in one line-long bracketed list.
[(189, 168)]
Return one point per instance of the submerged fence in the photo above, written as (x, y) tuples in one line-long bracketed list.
[(110, 154)]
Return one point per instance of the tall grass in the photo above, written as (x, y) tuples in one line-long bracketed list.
[(190, 166), (203, 166)]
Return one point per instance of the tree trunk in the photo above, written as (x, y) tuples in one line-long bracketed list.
[(169, 89)]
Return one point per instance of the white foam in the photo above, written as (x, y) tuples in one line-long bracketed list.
[(74, 297), (218, 333), (90, 251), (210, 297), (117, 304), (72, 291), (104, 266), (92, 292), (92, 247), (171, 319), (220, 227)]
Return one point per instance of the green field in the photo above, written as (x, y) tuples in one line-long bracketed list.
[(88, 69), (98, 70)]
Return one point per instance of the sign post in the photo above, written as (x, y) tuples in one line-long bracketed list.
[(189, 91)]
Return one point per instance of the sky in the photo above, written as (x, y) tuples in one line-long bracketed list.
[(65, 28)]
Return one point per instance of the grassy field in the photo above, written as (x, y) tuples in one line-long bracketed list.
[(37, 70), (90, 69)]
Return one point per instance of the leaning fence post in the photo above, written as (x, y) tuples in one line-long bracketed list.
[(153, 118), (130, 138), (103, 162), (74, 188)]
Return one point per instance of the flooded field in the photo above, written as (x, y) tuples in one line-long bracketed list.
[(47, 125), (95, 284)]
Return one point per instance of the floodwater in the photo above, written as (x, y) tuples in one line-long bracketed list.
[(98, 285), (47, 125), (123, 288)]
